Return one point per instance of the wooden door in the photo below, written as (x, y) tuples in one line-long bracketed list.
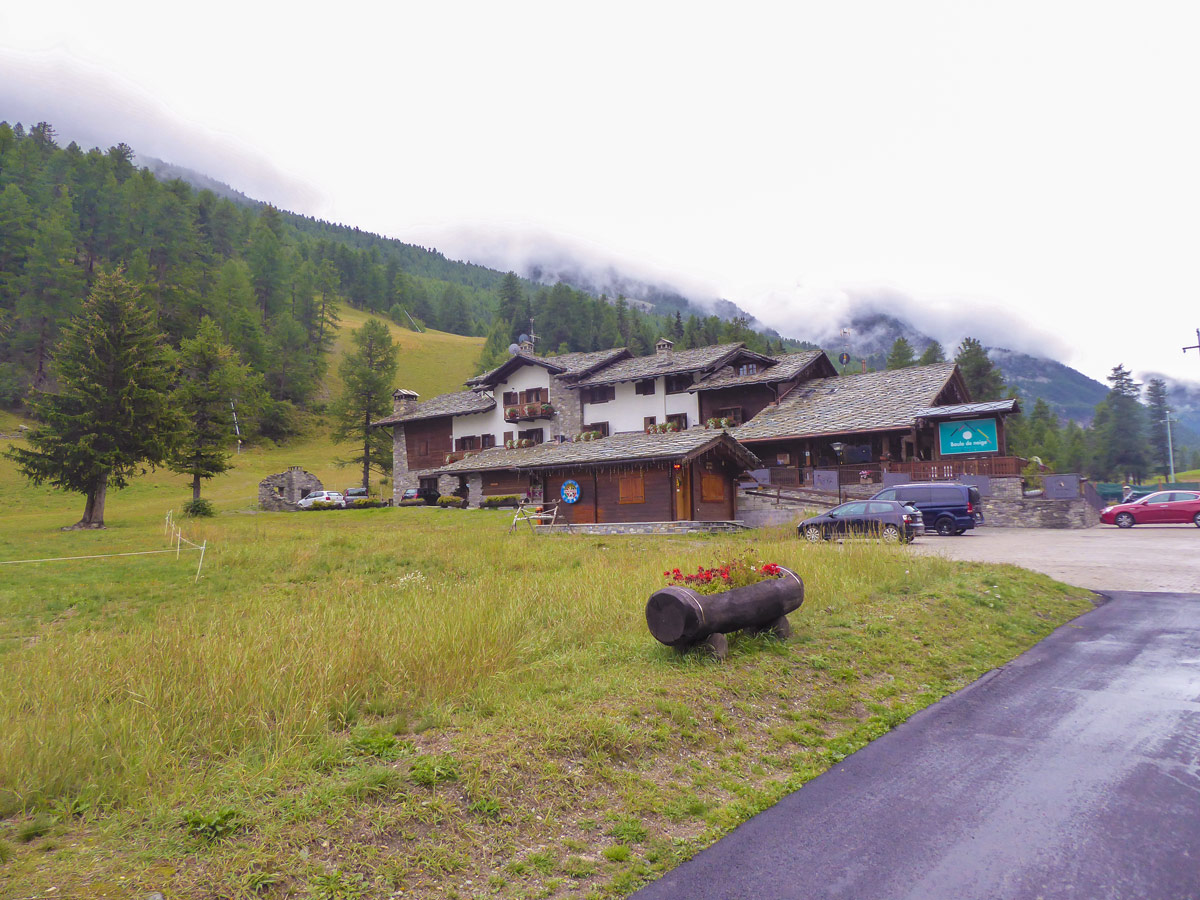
[(683, 493)]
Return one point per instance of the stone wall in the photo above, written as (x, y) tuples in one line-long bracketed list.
[(1030, 512), (402, 478), (758, 511), (281, 492), (568, 410)]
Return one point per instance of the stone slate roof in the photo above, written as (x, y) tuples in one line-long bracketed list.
[(970, 409), (461, 403), (571, 365), (876, 401), (786, 367), (675, 362), (618, 448)]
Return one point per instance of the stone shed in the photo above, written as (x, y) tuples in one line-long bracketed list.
[(281, 492)]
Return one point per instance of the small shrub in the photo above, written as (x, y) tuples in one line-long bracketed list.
[(199, 509), (214, 826), (318, 505), (429, 770), (449, 501), (505, 500), (365, 503), (415, 501)]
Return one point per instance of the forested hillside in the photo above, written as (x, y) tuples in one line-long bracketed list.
[(273, 281)]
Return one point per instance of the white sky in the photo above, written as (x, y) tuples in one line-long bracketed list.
[(1028, 172)]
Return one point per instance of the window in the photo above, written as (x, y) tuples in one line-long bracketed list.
[(508, 436), (733, 413), (649, 420), (470, 442), (632, 489), (748, 369), (601, 427), (510, 398), (783, 459), (601, 394), (533, 434), (677, 384), (712, 488), (644, 387), (534, 395), (679, 419), (488, 440)]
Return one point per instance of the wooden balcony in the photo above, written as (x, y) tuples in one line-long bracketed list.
[(528, 412), (946, 469)]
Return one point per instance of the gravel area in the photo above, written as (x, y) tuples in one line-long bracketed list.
[(1143, 558)]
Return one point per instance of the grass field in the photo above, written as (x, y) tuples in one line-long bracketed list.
[(351, 704), (410, 702)]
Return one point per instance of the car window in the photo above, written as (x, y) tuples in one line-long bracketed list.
[(946, 496), (877, 508), (889, 494), (974, 495), (1159, 498), (852, 509), (1187, 496), (913, 495)]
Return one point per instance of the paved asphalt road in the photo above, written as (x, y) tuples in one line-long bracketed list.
[(1072, 772)]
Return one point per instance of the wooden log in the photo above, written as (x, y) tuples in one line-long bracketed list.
[(679, 617)]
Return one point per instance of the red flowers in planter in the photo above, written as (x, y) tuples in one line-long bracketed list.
[(740, 572)]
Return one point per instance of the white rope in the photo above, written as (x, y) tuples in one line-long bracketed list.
[(13, 562)]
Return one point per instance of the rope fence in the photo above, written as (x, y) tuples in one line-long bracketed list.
[(170, 528)]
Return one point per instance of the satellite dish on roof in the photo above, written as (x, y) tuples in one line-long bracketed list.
[(513, 348), (523, 338)]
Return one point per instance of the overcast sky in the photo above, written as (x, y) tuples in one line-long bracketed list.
[(1029, 170)]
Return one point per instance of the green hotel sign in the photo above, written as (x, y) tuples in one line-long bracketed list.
[(972, 436)]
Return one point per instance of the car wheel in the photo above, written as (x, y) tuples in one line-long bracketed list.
[(890, 534), (1196, 519), (1124, 520), (812, 534), (945, 527), (958, 531)]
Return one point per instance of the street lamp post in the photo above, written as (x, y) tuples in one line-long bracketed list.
[(1170, 447), (837, 447)]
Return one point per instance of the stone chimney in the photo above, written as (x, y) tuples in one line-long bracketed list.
[(404, 401), (663, 347)]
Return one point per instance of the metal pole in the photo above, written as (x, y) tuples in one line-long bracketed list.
[(1170, 449)]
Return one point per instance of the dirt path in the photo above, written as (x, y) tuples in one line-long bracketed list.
[(1144, 558)]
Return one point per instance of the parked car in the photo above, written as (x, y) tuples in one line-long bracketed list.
[(430, 497), (947, 507), (356, 493), (323, 497), (1162, 508), (886, 519)]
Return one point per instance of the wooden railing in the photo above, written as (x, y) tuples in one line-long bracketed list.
[(914, 470)]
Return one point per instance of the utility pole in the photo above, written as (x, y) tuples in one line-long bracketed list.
[(1195, 346), (1170, 447)]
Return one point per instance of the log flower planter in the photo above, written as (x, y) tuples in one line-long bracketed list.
[(682, 618)]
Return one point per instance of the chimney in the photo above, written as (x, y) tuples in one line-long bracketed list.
[(404, 401), (663, 347)]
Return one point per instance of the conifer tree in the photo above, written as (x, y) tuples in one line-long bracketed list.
[(368, 373), (52, 286), (901, 355), (983, 379), (932, 354), (211, 379), (112, 414), (1157, 412)]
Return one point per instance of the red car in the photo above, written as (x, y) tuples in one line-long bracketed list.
[(1163, 508)]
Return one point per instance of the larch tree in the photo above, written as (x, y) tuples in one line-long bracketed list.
[(112, 414), (368, 373), (211, 380)]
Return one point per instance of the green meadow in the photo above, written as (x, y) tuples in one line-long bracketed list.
[(412, 702)]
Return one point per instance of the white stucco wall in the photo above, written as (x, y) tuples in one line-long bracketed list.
[(492, 421), (628, 410)]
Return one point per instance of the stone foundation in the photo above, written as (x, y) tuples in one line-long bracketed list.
[(1038, 513), (644, 528)]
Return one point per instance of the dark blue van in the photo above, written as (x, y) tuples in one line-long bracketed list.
[(947, 507)]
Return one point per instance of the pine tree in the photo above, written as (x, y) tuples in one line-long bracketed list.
[(901, 355), (1119, 430), (1157, 412), (211, 379), (113, 413), (932, 354), (368, 373), (984, 381)]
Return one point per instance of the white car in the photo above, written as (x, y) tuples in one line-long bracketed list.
[(323, 497)]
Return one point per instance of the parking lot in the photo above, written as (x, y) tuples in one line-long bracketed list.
[(1144, 558)]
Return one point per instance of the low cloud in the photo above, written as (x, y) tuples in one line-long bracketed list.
[(95, 109)]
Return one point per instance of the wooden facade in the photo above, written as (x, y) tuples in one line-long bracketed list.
[(427, 442)]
